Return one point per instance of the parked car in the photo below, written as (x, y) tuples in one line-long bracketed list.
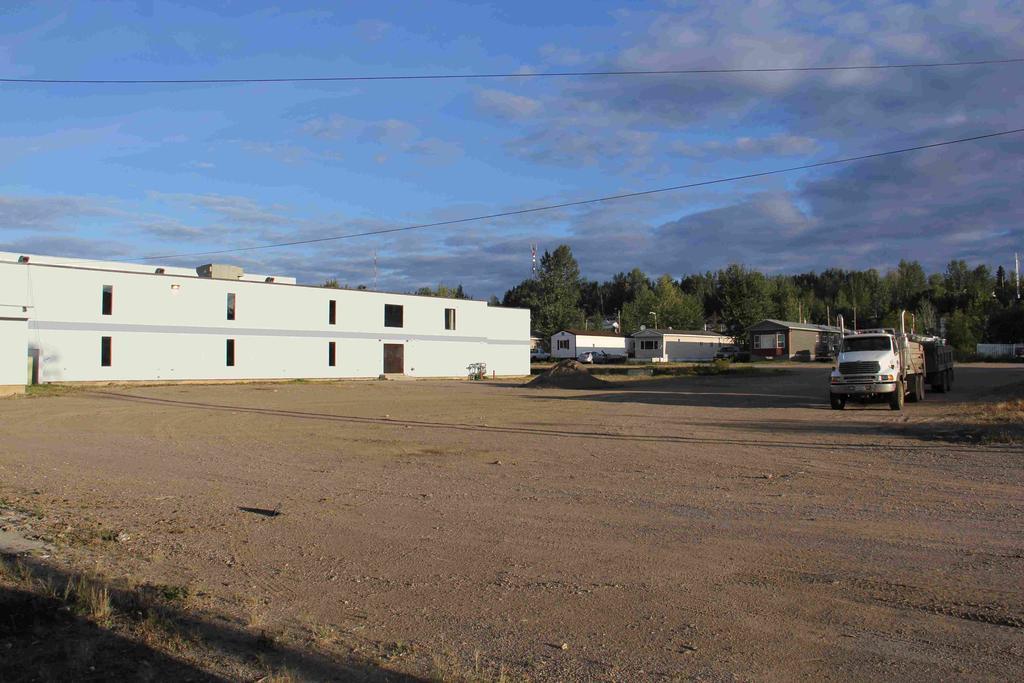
[(600, 357), (539, 354), (728, 352)]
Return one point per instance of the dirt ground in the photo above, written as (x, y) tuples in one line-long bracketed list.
[(712, 528)]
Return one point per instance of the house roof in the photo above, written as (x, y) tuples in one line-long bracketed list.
[(772, 323), (690, 333), (592, 333)]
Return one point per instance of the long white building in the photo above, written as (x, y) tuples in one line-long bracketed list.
[(73, 320)]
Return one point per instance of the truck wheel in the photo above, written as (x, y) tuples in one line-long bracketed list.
[(914, 395), (896, 400), (838, 402)]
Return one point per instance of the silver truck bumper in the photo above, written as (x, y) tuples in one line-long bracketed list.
[(862, 388)]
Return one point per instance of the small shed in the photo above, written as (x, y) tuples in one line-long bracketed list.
[(678, 345), (792, 340), (571, 343)]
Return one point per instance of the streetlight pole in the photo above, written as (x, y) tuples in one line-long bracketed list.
[(655, 314)]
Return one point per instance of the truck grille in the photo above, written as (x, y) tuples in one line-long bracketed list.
[(861, 367)]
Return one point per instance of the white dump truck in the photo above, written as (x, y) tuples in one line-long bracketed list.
[(886, 364)]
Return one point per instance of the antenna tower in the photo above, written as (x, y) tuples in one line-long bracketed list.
[(533, 260)]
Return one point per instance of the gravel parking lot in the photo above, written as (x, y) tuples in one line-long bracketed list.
[(689, 527)]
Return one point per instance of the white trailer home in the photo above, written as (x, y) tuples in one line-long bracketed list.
[(90, 321), (571, 343), (678, 345)]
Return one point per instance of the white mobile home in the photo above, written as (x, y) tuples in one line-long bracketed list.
[(103, 321), (571, 343), (678, 345)]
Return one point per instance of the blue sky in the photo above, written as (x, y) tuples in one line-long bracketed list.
[(125, 171)]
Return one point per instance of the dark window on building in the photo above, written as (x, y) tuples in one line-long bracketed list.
[(332, 312), (649, 344), (449, 318), (331, 358), (231, 306), (105, 352), (229, 358), (563, 344), (393, 315), (108, 299)]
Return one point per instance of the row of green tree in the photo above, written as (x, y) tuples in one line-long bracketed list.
[(967, 305)]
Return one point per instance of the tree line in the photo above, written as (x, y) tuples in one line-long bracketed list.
[(966, 305)]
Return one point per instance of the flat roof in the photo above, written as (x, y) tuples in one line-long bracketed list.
[(593, 333), (190, 273), (769, 322), (685, 333)]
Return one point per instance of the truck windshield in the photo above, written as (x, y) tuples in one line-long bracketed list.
[(866, 344)]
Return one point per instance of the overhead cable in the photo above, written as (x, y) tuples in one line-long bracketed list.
[(583, 202), (514, 74)]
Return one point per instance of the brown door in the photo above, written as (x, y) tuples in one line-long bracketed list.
[(394, 359)]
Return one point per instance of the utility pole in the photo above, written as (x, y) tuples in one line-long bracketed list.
[(375, 269), (533, 261), (1016, 271)]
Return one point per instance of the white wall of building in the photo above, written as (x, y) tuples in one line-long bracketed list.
[(1000, 350), (175, 327), (679, 347), (13, 354), (580, 343)]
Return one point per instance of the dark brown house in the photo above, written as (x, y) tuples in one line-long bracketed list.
[(797, 341)]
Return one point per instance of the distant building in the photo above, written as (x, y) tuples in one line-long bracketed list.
[(571, 343), (102, 321), (792, 340), (678, 345)]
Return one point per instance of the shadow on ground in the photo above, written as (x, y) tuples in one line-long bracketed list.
[(59, 627), (569, 431)]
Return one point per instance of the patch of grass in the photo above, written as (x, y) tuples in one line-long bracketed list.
[(172, 593), (89, 598), (324, 634), (447, 667), (49, 390), (282, 676), (998, 422)]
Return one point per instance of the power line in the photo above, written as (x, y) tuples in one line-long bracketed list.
[(582, 202), (479, 76)]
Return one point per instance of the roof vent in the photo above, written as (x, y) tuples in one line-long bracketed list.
[(160, 271), (269, 279), (220, 271)]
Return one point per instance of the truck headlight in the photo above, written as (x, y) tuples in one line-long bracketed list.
[(885, 378)]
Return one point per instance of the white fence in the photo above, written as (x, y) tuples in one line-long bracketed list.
[(1000, 350)]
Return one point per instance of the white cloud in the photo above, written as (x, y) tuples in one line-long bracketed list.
[(745, 146), (507, 105)]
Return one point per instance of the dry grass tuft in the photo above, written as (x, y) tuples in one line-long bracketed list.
[(449, 668), (324, 634), (90, 598), (1011, 411)]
